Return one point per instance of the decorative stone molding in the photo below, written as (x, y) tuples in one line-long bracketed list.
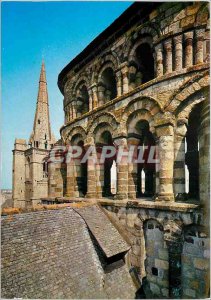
[(172, 230), (178, 52), (199, 39), (159, 60), (168, 55), (188, 37)]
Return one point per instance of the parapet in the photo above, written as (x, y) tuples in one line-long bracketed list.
[(20, 144)]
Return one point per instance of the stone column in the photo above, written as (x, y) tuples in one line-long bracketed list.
[(101, 95), (94, 96), (74, 104), (122, 169), (168, 58), (125, 80), (199, 50), (133, 169), (179, 160), (71, 111), (91, 169), (119, 83), (207, 46), (72, 187), (99, 176), (188, 36), (65, 115), (90, 99), (159, 59), (178, 52), (165, 134)]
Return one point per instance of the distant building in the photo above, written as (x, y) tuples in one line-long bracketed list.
[(6, 198), (30, 176)]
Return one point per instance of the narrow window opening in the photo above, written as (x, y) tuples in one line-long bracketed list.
[(154, 271)]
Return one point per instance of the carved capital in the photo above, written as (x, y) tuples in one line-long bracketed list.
[(200, 34), (89, 141), (159, 47), (165, 129), (172, 231), (168, 45), (188, 35), (181, 128), (133, 141), (120, 141), (177, 39)]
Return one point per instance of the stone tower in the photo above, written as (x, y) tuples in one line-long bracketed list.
[(41, 136), (30, 173)]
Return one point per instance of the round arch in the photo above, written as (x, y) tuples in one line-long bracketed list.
[(74, 131), (103, 118), (184, 109), (185, 91), (147, 106)]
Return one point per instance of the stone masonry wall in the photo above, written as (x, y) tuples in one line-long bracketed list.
[(195, 265), (160, 251)]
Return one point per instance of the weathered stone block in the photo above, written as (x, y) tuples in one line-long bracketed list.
[(165, 292), (189, 292), (187, 21), (155, 289), (200, 263), (163, 254), (163, 264)]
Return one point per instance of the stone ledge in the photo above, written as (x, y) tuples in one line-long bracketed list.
[(161, 205), (44, 207), (138, 203)]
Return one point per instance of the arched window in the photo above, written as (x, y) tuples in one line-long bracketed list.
[(82, 97), (142, 174), (107, 168), (146, 170), (27, 169), (146, 61), (192, 153), (141, 66), (107, 87), (45, 169), (107, 140)]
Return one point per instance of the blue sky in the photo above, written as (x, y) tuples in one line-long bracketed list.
[(55, 31)]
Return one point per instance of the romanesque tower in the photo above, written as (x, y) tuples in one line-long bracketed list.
[(30, 160)]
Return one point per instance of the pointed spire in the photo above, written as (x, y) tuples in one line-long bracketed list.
[(41, 134), (42, 73), (42, 92)]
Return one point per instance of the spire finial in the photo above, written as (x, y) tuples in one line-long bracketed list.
[(42, 73)]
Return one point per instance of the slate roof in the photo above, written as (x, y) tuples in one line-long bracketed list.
[(52, 254), (107, 236)]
